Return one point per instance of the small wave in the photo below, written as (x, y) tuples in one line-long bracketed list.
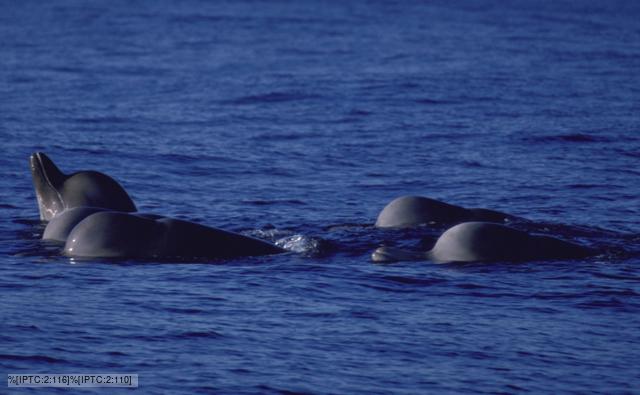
[(600, 294), (494, 295), (394, 288), (272, 97), (23, 80), (103, 120), (32, 358), (588, 186), (22, 328), (210, 334), (275, 202), (478, 164), (65, 69), (609, 303), (470, 286), (434, 101), (30, 222), (11, 286), (37, 277), (262, 388), (183, 310), (89, 150), (117, 354), (359, 113), (199, 18), (414, 281), (617, 277), (196, 334), (368, 315), (542, 309), (568, 138)]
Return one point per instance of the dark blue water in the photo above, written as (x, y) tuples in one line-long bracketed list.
[(297, 122)]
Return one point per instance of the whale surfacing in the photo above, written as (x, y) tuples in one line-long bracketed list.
[(62, 224), (56, 191), (483, 241), (409, 211), (487, 242), (110, 234)]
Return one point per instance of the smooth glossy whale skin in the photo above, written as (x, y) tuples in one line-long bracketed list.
[(484, 241), (487, 242), (110, 234), (57, 191), (61, 225), (409, 211)]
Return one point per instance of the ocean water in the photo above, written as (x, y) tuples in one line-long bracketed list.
[(296, 122)]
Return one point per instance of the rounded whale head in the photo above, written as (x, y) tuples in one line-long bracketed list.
[(484, 241), (56, 191), (61, 225), (408, 211), (480, 241), (113, 234)]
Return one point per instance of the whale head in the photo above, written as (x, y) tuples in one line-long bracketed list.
[(410, 211), (47, 179), (56, 191)]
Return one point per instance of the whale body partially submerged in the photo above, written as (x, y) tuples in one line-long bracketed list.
[(57, 192), (410, 211), (487, 242), (110, 234), (95, 218)]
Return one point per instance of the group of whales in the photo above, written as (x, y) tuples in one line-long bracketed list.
[(475, 235), (94, 217)]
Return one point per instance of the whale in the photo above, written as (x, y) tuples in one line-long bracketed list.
[(59, 227), (411, 211), (57, 192), (488, 242), (116, 234)]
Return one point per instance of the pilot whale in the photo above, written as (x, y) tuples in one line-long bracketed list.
[(112, 234), (56, 191), (409, 211), (485, 241), (59, 227)]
